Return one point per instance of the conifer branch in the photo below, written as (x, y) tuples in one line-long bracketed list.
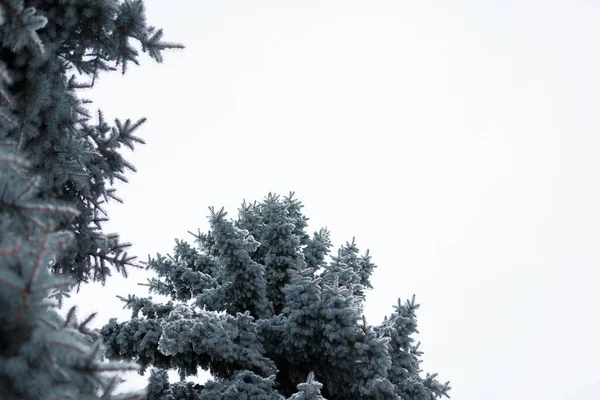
[(83, 325), (28, 22), (11, 284), (27, 290), (48, 323), (22, 127), (10, 252), (8, 119), (70, 317), (32, 182), (4, 96)]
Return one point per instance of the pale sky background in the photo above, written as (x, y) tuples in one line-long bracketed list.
[(457, 140)]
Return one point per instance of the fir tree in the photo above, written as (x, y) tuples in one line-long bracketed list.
[(63, 356), (57, 167), (314, 326), (50, 50)]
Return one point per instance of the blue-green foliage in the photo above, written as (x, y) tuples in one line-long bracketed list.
[(242, 285), (316, 249), (361, 265), (371, 353), (405, 355), (257, 305), (243, 385), (160, 389), (302, 310), (275, 227), (339, 314), (352, 270), (50, 49), (309, 390), (64, 357), (184, 275), (57, 166)]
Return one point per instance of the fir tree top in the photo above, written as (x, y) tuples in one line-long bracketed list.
[(314, 325)]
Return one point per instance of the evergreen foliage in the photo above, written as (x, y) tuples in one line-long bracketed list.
[(309, 390), (64, 357), (257, 304), (57, 167), (50, 49)]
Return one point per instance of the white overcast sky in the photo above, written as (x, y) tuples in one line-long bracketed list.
[(457, 140)]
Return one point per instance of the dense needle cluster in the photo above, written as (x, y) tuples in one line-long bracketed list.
[(57, 165), (257, 303)]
